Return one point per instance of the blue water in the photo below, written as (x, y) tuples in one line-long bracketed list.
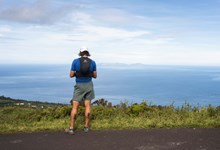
[(159, 85)]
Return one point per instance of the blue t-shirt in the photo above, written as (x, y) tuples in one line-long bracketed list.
[(76, 67)]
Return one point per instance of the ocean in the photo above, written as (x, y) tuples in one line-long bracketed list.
[(157, 85)]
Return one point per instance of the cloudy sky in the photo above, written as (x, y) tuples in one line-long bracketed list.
[(167, 32)]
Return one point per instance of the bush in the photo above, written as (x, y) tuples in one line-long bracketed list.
[(121, 116)]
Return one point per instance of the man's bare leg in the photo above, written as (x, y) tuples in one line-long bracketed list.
[(87, 112), (73, 114)]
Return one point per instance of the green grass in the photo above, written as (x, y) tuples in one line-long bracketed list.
[(123, 116)]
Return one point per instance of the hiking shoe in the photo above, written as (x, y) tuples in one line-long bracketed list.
[(69, 131), (86, 129)]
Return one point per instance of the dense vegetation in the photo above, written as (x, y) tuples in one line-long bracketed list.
[(15, 118)]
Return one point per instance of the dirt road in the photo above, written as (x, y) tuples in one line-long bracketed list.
[(144, 139)]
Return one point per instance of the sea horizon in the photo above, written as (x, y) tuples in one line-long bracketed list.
[(132, 83)]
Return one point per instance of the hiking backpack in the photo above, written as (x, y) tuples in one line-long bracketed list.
[(84, 71)]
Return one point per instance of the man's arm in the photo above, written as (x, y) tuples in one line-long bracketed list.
[(94, 74), (72, 74)]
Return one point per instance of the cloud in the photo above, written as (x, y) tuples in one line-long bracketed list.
[(8, 38), (98, 33), (168, 57), (39, 12), (6, 34), (116, 16), (45, 30), (5, 29)]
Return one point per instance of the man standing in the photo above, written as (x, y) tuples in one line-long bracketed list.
[(84, 69)]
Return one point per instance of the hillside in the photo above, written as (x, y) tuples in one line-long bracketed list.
[(7, 101)]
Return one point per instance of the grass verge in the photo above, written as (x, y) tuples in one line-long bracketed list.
[(122, 116)]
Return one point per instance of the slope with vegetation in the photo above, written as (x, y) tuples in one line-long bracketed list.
[(55, 117)]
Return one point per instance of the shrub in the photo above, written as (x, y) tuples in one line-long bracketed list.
[(105, 117)]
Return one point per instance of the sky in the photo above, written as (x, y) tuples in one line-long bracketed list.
[(153, 32)]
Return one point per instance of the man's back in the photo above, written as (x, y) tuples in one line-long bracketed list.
[(77, 68)]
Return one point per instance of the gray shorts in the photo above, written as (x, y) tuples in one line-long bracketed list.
[(83, 91)]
